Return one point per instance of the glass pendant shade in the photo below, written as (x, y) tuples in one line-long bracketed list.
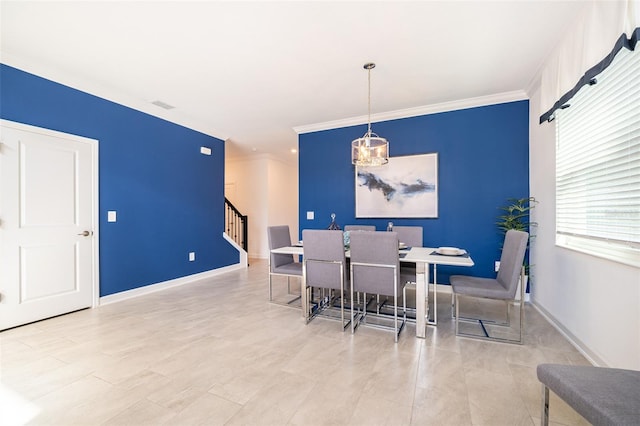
[(370, 150)]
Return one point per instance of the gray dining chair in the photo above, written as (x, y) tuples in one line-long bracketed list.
[(359, 228), (375, 269), (411, 236), (503, 287), (324, 268), (281, 264)]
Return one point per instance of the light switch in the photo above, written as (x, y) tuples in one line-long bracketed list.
[(310, 215), (192, 256), (111, 216)]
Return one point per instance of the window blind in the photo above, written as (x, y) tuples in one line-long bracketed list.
[(598, 164)]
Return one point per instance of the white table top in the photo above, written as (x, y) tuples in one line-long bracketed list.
[(413, 255), (428, 255), (288, 250)]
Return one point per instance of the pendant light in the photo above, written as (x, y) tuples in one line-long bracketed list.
[(370, 149)]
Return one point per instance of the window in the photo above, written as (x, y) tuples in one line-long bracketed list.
[(598, 165)]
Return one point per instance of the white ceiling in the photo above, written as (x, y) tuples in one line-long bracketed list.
[(251, 72)]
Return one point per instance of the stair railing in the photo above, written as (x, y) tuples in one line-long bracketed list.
[(236, 225)]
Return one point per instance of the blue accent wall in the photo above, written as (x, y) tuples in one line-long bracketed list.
[(483, 159), (169, 198)]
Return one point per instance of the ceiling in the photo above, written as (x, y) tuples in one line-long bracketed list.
[(251, 72)]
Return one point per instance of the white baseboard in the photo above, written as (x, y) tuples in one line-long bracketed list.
[(244, 258), (152, 288), (443, 288), (581, 347)]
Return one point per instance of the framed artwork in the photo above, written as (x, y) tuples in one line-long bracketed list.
[(404, 187)]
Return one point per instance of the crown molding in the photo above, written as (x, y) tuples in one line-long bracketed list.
[(60, 76), (499, 98)]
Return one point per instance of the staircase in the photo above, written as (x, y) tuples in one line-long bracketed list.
[(236, 225)]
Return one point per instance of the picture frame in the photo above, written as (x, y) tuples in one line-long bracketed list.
[(405, 187)]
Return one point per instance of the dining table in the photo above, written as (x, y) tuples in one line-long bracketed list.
[(422, 257)]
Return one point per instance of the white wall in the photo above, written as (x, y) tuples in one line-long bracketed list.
[(249, 195), (265, 189), (596, 302), (283, 197)]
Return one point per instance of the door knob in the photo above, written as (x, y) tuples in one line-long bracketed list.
[(86, 233)]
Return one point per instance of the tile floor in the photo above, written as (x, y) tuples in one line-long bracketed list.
[(217, 353)]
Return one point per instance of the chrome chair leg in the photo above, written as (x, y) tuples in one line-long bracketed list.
[(353, 322), (453, 305), (404, 305), (457, 304), (545, 406), (395, 311)]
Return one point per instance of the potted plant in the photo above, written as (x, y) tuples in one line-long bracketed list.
[(517, 216)]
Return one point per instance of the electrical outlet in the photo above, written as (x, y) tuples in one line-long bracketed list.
[(192, 256), (112, 216), (496, 266), (310, 215)]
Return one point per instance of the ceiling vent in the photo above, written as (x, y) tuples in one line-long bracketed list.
[(163, 105)]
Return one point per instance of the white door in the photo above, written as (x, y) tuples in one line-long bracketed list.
[(47, 223)]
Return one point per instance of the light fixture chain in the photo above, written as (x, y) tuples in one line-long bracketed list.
[(369, 103)]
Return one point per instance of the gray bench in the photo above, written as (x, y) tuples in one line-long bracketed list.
[(603, 396)]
